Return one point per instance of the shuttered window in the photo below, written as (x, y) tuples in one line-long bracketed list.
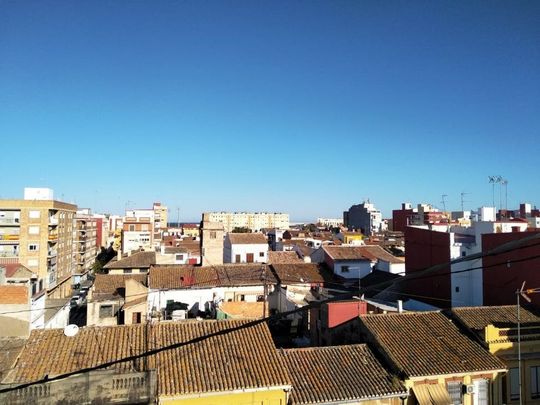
[(454, 390)]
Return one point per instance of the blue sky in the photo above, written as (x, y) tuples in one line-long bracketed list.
[(303, 107)]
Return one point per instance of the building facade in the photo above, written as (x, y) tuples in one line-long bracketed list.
[(254, 221), (365, 218), (84, 244), (39, 235)]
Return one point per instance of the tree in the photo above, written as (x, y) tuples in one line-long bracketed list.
[(241, 229)]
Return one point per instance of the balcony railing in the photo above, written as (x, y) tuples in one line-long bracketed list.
[(53, 221), (52, 253), (9, 254), (9, 221), (9, 236), (53, 236)]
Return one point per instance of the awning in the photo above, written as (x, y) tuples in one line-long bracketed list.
[(432, 394)]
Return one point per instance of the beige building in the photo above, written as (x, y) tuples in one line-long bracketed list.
[(84, 244), (211, 243), (39, 235), (254, 221)]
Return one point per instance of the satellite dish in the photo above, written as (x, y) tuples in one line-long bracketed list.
[(71, 330)]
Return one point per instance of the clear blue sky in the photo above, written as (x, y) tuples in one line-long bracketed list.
[(303, 107)]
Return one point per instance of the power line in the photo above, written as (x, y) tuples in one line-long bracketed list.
[(506, 247)]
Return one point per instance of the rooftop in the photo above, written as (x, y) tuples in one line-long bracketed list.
[(283, 257), (113, 285), (137, 260), (301, 273), (426, 343), (477, 318), (184, 276), (241, 359), (365, 252), (339, 373), (247, 238), (13, 294)]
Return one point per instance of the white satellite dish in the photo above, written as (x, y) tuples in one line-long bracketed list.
[(71, 330)]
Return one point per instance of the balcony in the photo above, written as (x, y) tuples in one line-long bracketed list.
[(9, 254), (9, 221), (8, 237), (53, 221), (53, 236), (52, 253)]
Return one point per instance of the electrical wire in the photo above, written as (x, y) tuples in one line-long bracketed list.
[(504, 248)]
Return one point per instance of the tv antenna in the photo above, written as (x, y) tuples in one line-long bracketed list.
[(492, 181), (443, 202), (463, 194)]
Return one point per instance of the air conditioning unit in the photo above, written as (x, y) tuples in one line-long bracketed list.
[(469, 389)]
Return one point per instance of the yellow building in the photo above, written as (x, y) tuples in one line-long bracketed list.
[(39, 235), (496, 328), (352, 238), (438, 363)]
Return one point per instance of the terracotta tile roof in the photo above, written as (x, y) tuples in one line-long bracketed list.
[(283, 257), (225, 362), (377, 277), (170, 277), (338, 373), (10, 347), (14, 294), (135, 261), (426, 343), (114, 284), (243, 309), (16, 270), (247, 238), (367, 252), (477, 318), (301, 273), (192, 246)]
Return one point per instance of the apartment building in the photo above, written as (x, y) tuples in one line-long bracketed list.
[(364, 217), (158, 217), (37, 232), (84, 244), (137, 233), (255, 221)]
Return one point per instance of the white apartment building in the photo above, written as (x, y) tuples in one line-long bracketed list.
[(254, 221), (333, 222)]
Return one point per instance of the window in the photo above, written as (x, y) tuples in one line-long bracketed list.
[(344, 269), (514, 383), (454, 390), (106, 311), (179, 257), (34, 214), (213, 235), (144, 227), (457, 289), (136, 317), (33, 230), (261, 254), (237, 259), (535, 382), (131, 228), (127, 271), (33, 262), (33, 247), (463, 254)]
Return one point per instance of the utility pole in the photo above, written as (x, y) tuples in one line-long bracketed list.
[(265, 289), (522, 293)]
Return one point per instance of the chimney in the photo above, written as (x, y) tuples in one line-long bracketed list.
[(400, 306), (119, 254)]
